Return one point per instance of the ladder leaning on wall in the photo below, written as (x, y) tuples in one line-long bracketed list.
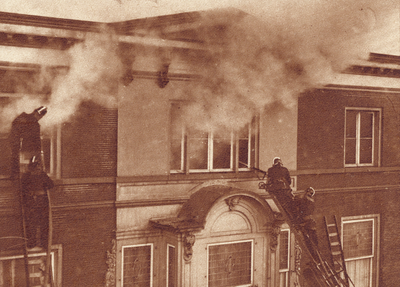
[(335, 247), (321, 270)]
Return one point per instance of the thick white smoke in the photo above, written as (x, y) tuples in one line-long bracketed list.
[(269, 57), (94, 73)]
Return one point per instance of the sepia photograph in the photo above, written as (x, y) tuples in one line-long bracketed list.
[(198, 143)]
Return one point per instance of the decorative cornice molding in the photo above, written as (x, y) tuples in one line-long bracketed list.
[(373, 71), (36, 41), (48, 22), (35, 31), (384, 58), (361, 88)]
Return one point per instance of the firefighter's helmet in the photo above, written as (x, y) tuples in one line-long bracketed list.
[(311, 191), (277, 160)]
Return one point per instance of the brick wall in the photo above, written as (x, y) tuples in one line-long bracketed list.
[(382, 202), (89, 143), (84, 223)]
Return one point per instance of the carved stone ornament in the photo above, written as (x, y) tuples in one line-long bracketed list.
[(111, 264), (275, 231), (297, 260), (233, 201), (188, 241)]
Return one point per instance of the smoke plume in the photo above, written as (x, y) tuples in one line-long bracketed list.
[(93, 75), (274, 54), (268, 58)]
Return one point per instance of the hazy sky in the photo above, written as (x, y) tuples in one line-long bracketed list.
[(116, 10), (108, 10)]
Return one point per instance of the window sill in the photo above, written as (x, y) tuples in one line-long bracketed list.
[(362, 169), (189, 177)]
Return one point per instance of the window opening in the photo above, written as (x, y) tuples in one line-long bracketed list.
[(194, 150), (362, 137), (171, 266), (137, 266), (284, 255), (359, 237), (230, 264), (12, 269)]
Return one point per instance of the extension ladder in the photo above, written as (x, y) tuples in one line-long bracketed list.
[(322, 271)]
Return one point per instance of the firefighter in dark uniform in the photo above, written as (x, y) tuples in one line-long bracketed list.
[(34, 185), (305, 206), (278, 182), (25, 138)]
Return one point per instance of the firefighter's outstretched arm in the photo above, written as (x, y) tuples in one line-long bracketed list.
[(255, 169)]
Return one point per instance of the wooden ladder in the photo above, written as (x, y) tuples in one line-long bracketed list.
[(336, 250)]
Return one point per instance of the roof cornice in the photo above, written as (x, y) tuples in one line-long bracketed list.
[(56, 33), (48, 22)]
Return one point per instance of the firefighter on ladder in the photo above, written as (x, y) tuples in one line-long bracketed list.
[(34, 185), (304, 206), (278, 182), (25, 138)]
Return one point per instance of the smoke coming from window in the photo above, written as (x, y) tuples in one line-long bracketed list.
[(271, 56), (265, 60)]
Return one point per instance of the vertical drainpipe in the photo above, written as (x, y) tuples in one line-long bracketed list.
[(52, 152), (58, 150)]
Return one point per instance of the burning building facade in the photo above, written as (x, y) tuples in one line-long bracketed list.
[(154, 128)]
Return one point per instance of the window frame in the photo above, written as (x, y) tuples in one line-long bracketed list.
[(167, 263), (374, 264), (234, 166), (233, 242), (210, 155), (286, 270), (376, 136), (373, 237), (151, 260), (54, 163), (56, 261)]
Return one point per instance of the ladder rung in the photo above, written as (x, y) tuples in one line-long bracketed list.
[(333, 234), (335, 243), (331, 225), (336, 253)]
